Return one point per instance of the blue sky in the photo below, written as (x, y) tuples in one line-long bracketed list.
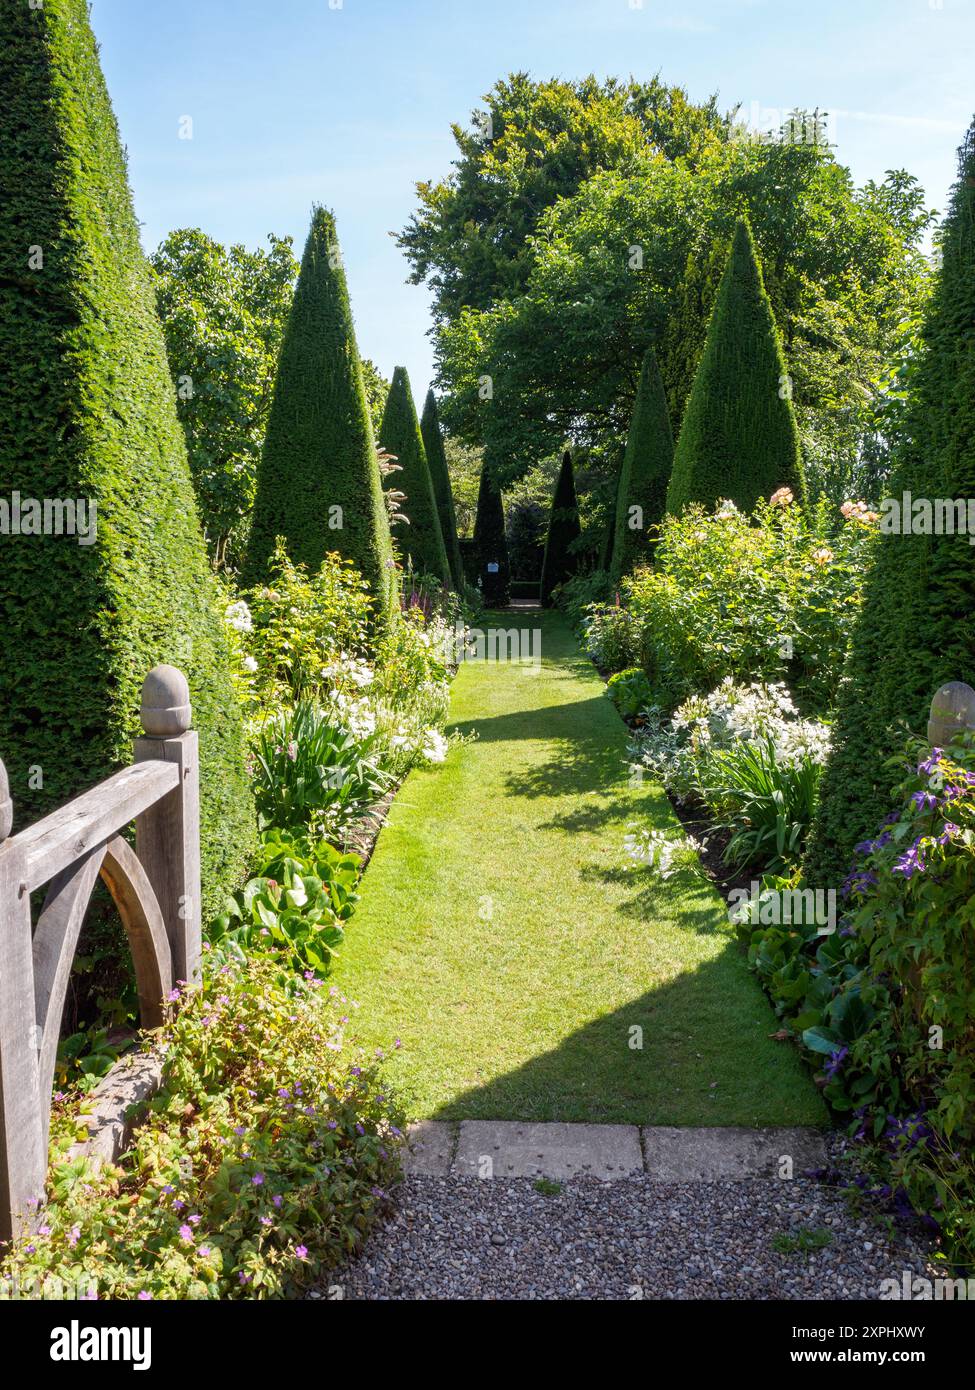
[(350, 103)]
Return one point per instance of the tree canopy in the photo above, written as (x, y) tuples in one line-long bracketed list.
[(223, 312)]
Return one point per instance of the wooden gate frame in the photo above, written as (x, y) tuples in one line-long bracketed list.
[(156, 888)]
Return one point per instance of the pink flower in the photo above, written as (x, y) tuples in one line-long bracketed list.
[(301, 1251), (186, 1233)]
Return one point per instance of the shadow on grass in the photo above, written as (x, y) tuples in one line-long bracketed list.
[(693, 1051)]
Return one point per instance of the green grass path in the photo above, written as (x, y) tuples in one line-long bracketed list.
[(503, 937)]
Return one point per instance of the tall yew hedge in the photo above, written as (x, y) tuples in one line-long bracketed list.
[(440, 477), (399, 434), (318, 482), (88, 412), (738, 438), (645, 475), (563, 528), (917, 626), (491, 543)]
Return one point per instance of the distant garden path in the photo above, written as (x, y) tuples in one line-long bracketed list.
[(503, 938)]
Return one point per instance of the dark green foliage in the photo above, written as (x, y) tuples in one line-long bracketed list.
[(422, 540), (440, 477), (649, 457), (917, 627), (318, 483), (739, 438), (490, 543), (88, 411), (563, 528), (526, 528)]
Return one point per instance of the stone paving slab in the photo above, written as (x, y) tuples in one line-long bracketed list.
[(509, 1149), (430, 1148), (711, 1155)]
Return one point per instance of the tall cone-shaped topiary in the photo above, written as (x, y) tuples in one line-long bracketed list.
[(318, 482), (491, 543), (739, 438), (563, 528), (399, 434), (642, 498), (917, 627), (89, 417), (440, 477)]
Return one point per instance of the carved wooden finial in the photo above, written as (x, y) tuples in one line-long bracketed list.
[(166, 710), (952, 710), (6, 805)]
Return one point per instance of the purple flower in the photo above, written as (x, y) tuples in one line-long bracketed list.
[(186, 1234), (925, 801), (277, 1200), (258, 1179), (301, 1251), (144, 1296), (836, 1060)]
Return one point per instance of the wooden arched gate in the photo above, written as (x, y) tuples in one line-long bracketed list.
[(156, 888)]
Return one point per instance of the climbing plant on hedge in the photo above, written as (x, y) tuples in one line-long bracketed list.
[(89, 413), (491, 543), (563, 528), (917, 627), (739, 438), (440, 477), (399, 434), (642, 497), (318, 482)]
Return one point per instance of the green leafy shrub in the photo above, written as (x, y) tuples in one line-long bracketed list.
[(313, 775), (297, 624), (578, 594), (766, 803), (265, 1158), (630, 692), (768, 598), (296, 905), (89, 414), (885, 1005), (739, 437), (318, 481)]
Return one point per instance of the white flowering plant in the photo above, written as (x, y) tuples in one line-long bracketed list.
[(749, 756)]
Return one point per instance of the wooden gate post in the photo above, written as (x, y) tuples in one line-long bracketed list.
[(167, 836), (952, 710), (23, 1163)]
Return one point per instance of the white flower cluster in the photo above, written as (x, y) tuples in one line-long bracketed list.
[(664, 852), (345, 669), (238, 616), (731, 714)]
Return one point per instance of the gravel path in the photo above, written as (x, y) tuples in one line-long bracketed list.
[(468, 1238)]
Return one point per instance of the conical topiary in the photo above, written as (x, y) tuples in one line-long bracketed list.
[(89, 416), (422, 539), (739, 438), (490, 543), (440, 477), (649, 457), (318, 482), (917, 627), (563, 528)]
